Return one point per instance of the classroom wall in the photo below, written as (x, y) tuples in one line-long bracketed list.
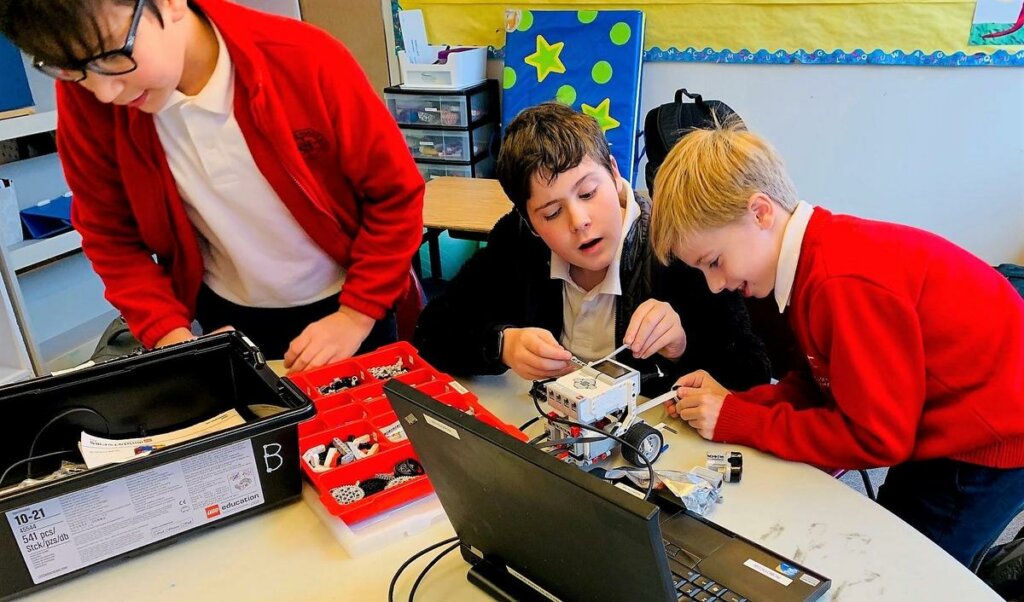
[(937, 148)]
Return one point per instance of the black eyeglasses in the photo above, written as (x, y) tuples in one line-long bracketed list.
[(111, 62)]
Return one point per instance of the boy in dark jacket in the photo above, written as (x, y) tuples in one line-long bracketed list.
[(569, 272)]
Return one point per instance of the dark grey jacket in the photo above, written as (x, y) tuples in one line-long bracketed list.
[(508, 283)]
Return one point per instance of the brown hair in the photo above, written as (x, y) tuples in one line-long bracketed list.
[(60, 32), (547, 140)]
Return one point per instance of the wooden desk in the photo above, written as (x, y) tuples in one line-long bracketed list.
[(466, 207), (796, 510)]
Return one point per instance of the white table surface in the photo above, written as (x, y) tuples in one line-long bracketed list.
[(793, 509)]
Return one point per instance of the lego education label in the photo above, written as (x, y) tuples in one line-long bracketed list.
[(66, 533), (444, 428), (767, 572)]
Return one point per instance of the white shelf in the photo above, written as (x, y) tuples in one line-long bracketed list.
[(26, 125), (10, 375), (30, 253)]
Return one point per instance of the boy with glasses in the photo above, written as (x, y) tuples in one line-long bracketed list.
[(246, 153)]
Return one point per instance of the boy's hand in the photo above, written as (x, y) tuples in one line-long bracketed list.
[(178, 335), (534, 354), (330, 339), (655, 328), (699, 400)]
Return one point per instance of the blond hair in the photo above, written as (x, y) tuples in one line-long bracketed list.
[(707, 180)]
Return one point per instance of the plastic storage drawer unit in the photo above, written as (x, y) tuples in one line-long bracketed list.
[(456, 109), (484, 168), (449, 145), (55, 530)]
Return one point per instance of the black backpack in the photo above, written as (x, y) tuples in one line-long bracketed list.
[(667, 124), (1013, 273), (116, 342)]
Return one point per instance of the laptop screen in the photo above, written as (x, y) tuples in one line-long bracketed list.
[(569, 533)]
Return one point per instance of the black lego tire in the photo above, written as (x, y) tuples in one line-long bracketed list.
[(643, 437)]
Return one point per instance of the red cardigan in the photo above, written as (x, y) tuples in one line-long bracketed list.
[(915, 351), (317, 131)]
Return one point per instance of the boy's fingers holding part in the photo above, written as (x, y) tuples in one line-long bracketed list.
[(544, 365), (634, 325), (683, 392), (692, 380), (546, 346)]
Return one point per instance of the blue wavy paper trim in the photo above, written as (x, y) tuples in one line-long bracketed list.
[(917, 58)]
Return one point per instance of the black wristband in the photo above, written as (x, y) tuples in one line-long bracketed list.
[(495, 343)]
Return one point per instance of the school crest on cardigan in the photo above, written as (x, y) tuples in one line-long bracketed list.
[(310, 142)]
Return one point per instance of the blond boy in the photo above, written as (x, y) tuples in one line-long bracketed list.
[(914, 347)]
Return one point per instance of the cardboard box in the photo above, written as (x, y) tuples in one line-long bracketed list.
[(10, 218)]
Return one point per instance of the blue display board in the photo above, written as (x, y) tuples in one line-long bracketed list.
[(589, 60)]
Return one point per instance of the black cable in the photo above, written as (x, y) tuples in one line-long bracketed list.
[(39, 433), (656, 374), (639, 454), (539, 438), (427, 568), (3, 477), (398, 573), (527, 424), (868, 486)]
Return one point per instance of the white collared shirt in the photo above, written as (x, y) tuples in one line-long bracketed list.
[(789, 256), (588, 317), (254, 251)]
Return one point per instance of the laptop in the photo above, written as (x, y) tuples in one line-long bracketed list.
[(533, 528)]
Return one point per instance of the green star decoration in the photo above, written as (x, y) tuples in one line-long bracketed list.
[(546, 58), (602, 114)]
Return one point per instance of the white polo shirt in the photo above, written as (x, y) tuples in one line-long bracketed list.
[(588, 317), (254, 251), (789, 256)]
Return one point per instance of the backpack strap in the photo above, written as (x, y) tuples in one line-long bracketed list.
[(697, 98)]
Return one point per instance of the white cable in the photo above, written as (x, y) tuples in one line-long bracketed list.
[(655, 402), (610, 355)]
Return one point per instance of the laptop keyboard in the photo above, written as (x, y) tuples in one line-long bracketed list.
[(694, 586)]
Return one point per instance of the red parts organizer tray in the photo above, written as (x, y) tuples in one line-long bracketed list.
[(363, 409)]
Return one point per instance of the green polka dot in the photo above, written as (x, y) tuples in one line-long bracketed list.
[(602, 72), (566, 95), (525, 21), (509, 78), (586, 16), (620, 34)]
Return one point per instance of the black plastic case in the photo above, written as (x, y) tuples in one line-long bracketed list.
[(54, 531)]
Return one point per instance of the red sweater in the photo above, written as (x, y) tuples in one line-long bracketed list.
[(916, 349), (316, 130)]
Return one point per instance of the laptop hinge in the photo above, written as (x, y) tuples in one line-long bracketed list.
[(498, 583)]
